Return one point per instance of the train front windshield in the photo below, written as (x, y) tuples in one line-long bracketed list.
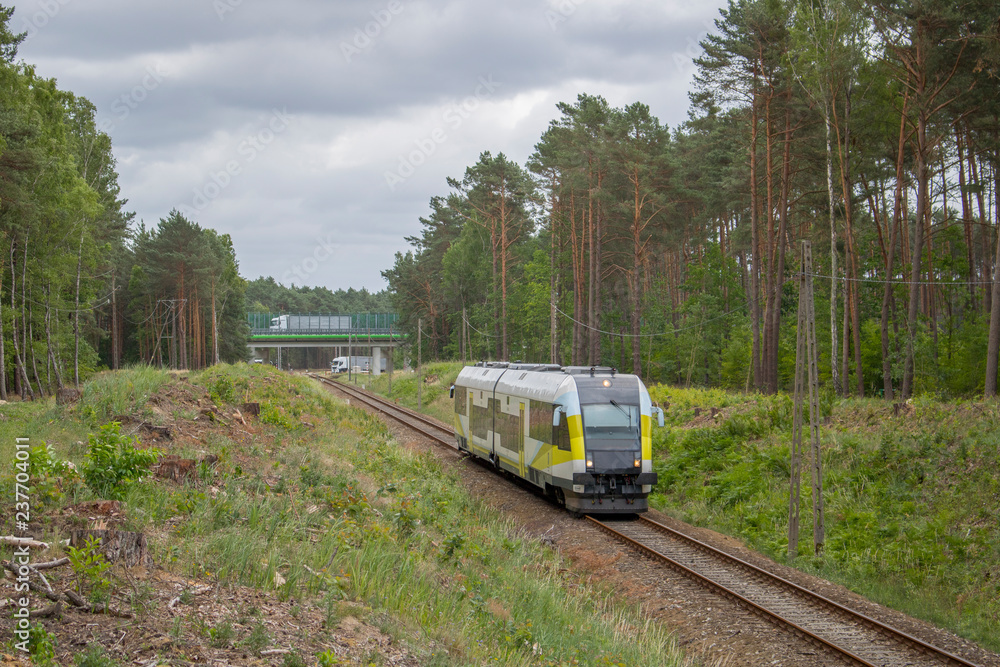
[(611, 421)]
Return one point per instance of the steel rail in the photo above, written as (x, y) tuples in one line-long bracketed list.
[(380, 405), (885, 630)]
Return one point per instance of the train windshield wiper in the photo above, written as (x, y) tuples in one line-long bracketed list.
[(623, 411)]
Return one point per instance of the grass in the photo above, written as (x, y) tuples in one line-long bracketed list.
[(910, 501), (342, 519), (115, 393)]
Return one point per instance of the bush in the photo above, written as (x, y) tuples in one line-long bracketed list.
[(51, 477), (113, 463)]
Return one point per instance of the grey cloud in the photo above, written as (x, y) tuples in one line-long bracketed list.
[(357, 112)]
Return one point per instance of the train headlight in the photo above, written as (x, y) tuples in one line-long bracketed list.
[(637, 463), (590, 463)]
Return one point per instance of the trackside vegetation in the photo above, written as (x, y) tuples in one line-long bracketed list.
[(911, 498), (911, 492), (315, 504)]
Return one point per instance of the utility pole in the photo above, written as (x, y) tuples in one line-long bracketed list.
[(461, 340), (806, 381), (420, 382)]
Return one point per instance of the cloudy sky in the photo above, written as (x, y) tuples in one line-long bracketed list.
[(315, 132)]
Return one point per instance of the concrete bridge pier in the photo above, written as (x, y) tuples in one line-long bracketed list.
[(376, 361)]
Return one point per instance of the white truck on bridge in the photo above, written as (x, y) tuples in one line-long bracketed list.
[(310, 323)]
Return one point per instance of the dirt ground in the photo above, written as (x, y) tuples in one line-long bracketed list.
[(180, 620)]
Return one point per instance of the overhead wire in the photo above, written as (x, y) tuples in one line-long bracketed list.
[(892, 281), (649, 335)]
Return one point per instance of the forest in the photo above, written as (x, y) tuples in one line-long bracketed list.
[(866, 127), (267, 295), (81, 286)]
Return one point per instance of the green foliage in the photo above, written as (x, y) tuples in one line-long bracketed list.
[(51, 477), (906, 497), (41, 645), (223, 390), (221, 636), (327, 659), (89, 565), (180, 259), (258, 639), (271, 414), (95, 656), (113, 463)]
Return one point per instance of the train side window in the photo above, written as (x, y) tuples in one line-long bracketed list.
[(560, 434), (480, 420), (540, 419), (461, 396)]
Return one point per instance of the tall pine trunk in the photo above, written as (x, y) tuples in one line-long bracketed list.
[(993, 346), (917, 253), (897, 222), (76, 319), (755, 257), (834, 371), (3, 355)]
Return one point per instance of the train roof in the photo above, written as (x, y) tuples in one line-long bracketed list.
[(548, 368)]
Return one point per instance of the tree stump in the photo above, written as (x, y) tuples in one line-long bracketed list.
[(67, 395), (118, 546), (171, 466), (251, 409)]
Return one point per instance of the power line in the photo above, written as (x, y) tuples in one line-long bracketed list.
[(103, 302), (883, 281), (651, 335), (469, 324)]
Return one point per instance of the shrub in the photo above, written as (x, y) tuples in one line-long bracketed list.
[(41, 645), (89, 564), (95, 656), (50, 476), (113, 463)]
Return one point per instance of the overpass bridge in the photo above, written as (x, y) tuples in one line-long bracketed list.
[(350, 334)]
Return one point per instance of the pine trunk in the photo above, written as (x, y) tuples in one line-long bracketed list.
[(916, 254), (76, 319)]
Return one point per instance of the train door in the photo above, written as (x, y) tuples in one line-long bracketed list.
[(521, 431)]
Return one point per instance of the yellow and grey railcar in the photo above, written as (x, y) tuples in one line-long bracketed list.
[(580, 434)]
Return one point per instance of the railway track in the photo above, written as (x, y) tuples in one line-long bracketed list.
[(848, 634), (414, 420)]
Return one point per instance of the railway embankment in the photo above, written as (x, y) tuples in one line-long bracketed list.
[(911, 494), (911, 490), (242, 515)]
